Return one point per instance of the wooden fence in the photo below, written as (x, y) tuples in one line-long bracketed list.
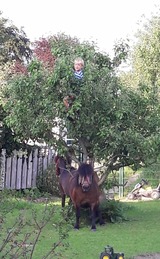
[(20, 171)]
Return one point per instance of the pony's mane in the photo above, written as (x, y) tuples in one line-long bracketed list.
[(85, 169)]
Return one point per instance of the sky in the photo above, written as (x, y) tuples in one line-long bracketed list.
[(102, 21)]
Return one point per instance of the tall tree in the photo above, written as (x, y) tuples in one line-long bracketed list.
[(15, 51), (145, 66), (146, 53), (112, 123), (144, 75), (14, 44)]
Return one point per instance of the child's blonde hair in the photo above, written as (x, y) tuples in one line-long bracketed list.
[(80, 60)]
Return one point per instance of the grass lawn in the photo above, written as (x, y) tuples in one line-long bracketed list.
[(139, 234)]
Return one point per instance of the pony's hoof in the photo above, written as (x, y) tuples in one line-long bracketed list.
[(93, 229)]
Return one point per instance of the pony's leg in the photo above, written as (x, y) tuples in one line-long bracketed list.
[(100, 218), (69, 202), (93, 218), (63, 200), (76, 226), (63, 196)]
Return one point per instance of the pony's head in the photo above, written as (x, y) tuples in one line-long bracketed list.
[(61, 163), (56, 160), (85, 176)]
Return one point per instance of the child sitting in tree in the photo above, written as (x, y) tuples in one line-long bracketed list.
[(78, 76)]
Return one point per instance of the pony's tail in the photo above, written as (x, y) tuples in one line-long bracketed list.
[(57, 167), (56, 158)]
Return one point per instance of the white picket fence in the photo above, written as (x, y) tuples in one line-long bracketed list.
[(20, 171)]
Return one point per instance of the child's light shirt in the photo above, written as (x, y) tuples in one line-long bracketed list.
[(78, 74)]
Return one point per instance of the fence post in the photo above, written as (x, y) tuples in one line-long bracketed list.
[(121, 182), (2, 169), (35, 168)]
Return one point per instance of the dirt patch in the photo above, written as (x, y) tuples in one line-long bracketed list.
[(148, 256)]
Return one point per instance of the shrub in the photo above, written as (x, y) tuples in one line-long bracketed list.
[(113, 211), (47, 182)]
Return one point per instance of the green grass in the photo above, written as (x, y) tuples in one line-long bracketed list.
[(137, 235)]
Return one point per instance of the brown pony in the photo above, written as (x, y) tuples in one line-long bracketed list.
[(82, 188)]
